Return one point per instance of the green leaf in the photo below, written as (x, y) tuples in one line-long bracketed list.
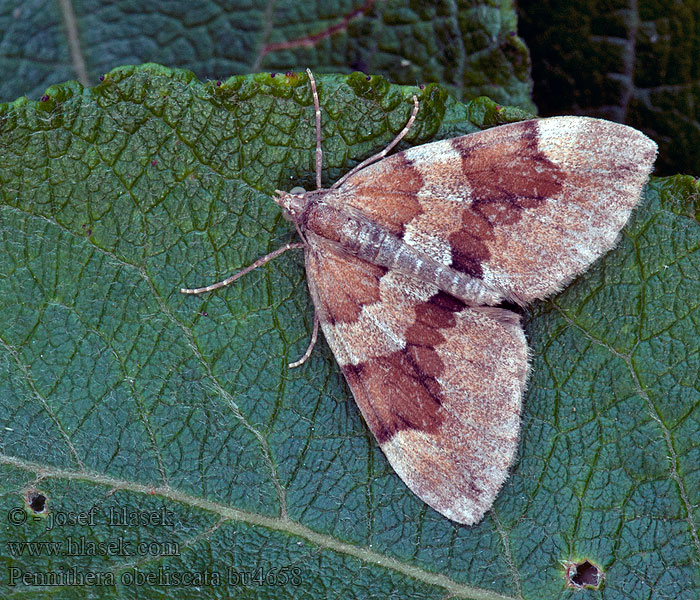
[(469, 46), (635, 64), (118, 393)]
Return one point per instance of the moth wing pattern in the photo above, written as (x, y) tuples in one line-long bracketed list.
[(510, 213), (438, 382), (523, 207)]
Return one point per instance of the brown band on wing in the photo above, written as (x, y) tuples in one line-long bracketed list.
[(397, 204), (499, 193), (469, 250), (403, 395), (411, 397), (431, 316), (352, 288)]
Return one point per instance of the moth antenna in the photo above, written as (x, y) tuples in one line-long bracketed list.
[(258, 263), (383, 153), (314, 337), (319, 150)]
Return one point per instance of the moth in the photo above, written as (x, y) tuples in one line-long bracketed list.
[(408, 258)]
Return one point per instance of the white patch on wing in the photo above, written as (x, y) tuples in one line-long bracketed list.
[(557, 138), (423, 157), (370, 335), (443, 195), (450, 474), (380, 328)]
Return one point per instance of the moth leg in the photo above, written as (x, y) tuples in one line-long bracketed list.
[(301, 234), (383, 153), (258, 263), (314, 337), (319, 150)]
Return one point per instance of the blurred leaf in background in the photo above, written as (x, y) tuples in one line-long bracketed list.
[(469, 46), (636, 63)]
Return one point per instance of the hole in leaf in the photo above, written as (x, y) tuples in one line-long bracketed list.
[(36, 501), (583, 575)]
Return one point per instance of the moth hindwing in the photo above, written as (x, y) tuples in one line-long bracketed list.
[(407, 257)]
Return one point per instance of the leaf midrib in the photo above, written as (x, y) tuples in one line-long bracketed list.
[(284, 525)]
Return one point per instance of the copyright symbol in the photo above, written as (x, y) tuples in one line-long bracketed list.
[(17, 516)]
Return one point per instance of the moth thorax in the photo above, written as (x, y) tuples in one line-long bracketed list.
[(352, 233)]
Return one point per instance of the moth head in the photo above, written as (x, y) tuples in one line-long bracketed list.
[(292, 203)]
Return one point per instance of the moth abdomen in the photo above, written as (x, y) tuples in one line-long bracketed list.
[(358, 235)]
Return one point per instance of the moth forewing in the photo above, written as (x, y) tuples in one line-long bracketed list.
[(406, 256)]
